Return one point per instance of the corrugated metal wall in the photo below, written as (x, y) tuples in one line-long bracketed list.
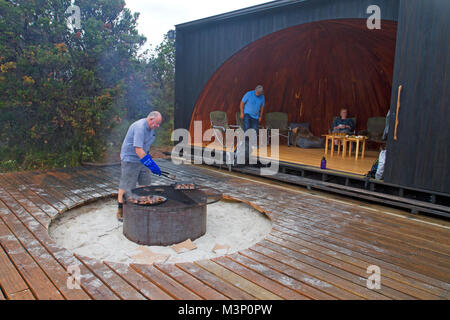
[(420, 158)]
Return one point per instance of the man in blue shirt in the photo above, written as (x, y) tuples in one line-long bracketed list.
[(135, 158), (252, 108)]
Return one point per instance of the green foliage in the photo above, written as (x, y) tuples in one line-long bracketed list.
[(162, 86), (66, 96)]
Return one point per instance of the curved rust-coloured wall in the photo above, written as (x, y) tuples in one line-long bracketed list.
[(309, 71)]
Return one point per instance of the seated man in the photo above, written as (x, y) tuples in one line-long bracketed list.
[(343, 124)]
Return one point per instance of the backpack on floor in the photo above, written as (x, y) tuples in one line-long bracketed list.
[(372, 173)]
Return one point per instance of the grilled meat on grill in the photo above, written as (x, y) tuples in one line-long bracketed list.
[(149, 200), (185, 186)]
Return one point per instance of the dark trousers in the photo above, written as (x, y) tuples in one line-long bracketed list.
[(250, 123)]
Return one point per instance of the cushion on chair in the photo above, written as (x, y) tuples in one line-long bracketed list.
[(294, 125)]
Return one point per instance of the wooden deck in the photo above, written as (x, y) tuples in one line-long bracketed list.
[(309, 157), (313, 157), (320, 247)]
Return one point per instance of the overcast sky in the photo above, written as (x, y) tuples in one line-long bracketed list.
[(157, 17)]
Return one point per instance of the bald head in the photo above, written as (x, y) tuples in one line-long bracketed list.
[(154, 120)]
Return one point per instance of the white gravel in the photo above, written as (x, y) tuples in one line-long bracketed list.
[(93, 231)]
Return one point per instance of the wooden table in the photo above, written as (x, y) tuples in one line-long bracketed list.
[(340, 138), (358, 141)]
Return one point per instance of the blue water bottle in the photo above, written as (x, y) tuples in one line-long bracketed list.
[(323, 164)]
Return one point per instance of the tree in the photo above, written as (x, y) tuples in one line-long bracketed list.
[(162, 85), (63, 91)]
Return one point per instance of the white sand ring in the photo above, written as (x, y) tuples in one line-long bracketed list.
[(93, 231)]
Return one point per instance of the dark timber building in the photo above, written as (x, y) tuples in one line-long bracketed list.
[(316, 56)]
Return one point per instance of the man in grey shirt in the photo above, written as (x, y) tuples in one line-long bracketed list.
[(135, 158)]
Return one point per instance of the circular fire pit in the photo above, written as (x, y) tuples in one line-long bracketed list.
[(178, 214)]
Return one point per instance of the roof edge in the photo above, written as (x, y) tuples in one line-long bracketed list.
[(240, 12)]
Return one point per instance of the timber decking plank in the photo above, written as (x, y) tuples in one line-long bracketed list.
[(322, 251), (101, 180), (62, 256), (237, 281), (35, 211), (260, 280), (300, 275), (400, 256), (100, 183), (137, 281), (33, 197), (36, 279), (53, 270), (369, 217), (333, 240), (166, 283), (198, 287), (73, 181), (43, 193), (94, 287), (212, 280), (390, 288), (54, 181), (372, 257), (284, 280), (10, 279), (118, 285), (47, 182), (324, 219), (320, 202), (405, 247), (285, 257), (25, 295), (406, 236), (365, 248), (86, 196), (110, 175)]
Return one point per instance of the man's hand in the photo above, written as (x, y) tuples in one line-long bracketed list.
[(242, 116), (260, 119), (149, 163)]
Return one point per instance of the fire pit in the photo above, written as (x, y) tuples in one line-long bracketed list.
[(167, 215)]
